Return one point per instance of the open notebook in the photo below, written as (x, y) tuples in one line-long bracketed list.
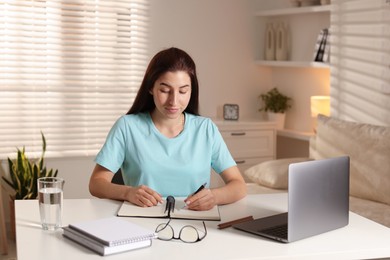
[(180, 212)]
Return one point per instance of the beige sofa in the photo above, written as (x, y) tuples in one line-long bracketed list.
[(369, 149)]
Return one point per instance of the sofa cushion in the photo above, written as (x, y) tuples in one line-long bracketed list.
[(369, 149), (272, 174)]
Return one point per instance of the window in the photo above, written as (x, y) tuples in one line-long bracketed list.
[(360, 58), (69, 69)]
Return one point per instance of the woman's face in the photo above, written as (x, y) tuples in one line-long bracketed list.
[(171, 93)]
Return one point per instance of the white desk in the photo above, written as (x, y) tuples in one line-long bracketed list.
[(362, 238)]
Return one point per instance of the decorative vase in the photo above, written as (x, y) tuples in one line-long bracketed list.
[(269, 42), (278, 118), (281, 43)]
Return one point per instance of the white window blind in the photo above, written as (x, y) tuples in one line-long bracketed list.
[(68, 68), (360, 60)]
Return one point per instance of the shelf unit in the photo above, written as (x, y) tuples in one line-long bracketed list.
[(304, 24), (295, 13), (293, 64)]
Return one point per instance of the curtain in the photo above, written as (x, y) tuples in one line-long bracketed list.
[(360, 60), (68, 69)]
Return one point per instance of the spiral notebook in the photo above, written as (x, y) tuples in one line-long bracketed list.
[(109, 235)]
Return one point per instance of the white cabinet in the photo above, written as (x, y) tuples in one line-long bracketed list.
[(249, 142), (304, 25)]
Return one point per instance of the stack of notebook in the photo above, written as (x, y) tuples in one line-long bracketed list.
[(109, 235)]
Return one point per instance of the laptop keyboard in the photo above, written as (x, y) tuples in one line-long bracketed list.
[(277, 231)]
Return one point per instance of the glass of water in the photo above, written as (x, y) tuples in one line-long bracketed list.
[(50, 196)]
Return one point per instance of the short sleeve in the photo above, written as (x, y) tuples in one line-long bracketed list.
[(221, 156), (111, 156)]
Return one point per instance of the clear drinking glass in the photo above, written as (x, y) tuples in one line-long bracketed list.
[(50, 196)]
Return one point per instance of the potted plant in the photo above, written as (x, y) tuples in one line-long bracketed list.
[(275, 104), (24, 174)]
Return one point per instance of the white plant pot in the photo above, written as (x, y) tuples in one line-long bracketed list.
[(278, 118)]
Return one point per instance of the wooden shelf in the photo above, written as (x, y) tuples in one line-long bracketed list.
[(295, 11), (291, 64), (300, 135)]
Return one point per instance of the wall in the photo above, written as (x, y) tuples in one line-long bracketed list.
[(218, 35)]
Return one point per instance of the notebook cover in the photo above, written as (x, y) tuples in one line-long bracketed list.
[(113, 231)]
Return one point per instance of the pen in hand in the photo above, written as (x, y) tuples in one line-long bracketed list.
[(197, 191)]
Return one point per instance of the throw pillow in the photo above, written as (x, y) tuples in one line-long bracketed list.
[(272, 174)]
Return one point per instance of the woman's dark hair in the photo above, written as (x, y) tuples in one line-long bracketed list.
[(169, 60)]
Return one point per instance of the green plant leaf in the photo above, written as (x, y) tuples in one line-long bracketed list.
[(43, 172), (12, 173), (24, 173), (8, 182), (42, 159), (275, 102)]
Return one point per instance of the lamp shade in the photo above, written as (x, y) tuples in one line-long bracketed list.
[(320, 105)]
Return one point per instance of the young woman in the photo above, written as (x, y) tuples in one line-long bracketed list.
[(163, 147)]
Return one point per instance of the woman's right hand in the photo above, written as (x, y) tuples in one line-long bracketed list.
[(100, 186), (143, 196)]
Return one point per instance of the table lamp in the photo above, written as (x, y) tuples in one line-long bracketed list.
[(319, 105)]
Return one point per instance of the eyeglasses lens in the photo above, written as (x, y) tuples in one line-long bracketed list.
[(189, 234), (164, 232)]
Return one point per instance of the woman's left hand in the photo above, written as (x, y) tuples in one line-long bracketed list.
[(203, 200)]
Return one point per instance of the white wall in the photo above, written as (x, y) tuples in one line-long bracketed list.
[(218, 35)]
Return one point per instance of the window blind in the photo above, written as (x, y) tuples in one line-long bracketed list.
[(68, 68), (360, 60)]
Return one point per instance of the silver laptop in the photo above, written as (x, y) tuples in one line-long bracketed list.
[(318, 201)]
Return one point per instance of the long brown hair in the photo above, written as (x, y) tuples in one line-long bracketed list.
[(168, 60)]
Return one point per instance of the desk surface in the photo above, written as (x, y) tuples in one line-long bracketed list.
[(362, 238)]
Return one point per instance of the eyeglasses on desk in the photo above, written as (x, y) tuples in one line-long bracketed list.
[(187, 234)]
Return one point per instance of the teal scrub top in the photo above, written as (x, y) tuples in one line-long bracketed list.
[(171, 166)]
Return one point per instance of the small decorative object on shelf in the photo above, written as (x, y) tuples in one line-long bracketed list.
[(275, 104), (269, 42), (321, 51), (281, 50), (230, 112)]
